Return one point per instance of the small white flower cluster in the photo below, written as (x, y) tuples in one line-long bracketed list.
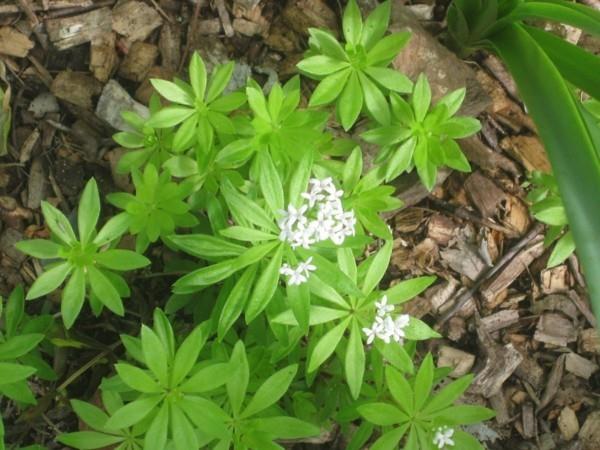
[(300, 274), (319, 218), (385, 326), (443, 437)]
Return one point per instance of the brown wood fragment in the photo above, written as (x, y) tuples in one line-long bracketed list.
[(492, 291), (555, 302), (145, 90), (113, 100), (500, 405), (484, 194), (247, 27), (589, 341), (68, 32), (529, 151), (555, 329), (529, 422), (486, 158), (441, 229), (461, 362), (424, 54), (169, 44), (300, 15), (553, 382), (36, 184), (515, 216), (224, 16), (14, 43), (103, 56), (135, 20), (580, 366), (457, 328), (76, 87), (568, 423), (590, 431), (139, 60), (530, 371), (500, 320), (52, 6), (464, 259), (556, 279), (28, 147)]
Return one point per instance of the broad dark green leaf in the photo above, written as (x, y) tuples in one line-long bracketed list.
[(271, 390), (326, 345), (133, 412), (106, 292), (382, 414), (187, 354)]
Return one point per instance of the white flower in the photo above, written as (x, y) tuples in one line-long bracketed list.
[(382, 307), (298, 275), (443, 437), (293, 215), (307, 267), (400, 323), (371, 334)]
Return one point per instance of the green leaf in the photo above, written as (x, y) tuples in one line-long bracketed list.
[(321, 65), (265, 287), (417, 330), (282, 427), (49, 281), (328, 44), (352, 169), (206, 246), (329, 88), (245, 210), (423, 382), (560, 125), (326, 345), (401, 159), (206, 415), (182, 430), (421, 98), (382, 414), (15, 311), (448, 395), (406, 290), (219, 80), (137, 379), (58, 223), (90, 414), (39, 248), (378, 268), (550, 211), (18, 346), (156, 436), (350, 102), (106, 292), (205, 276), (352, 23), (184, 138), (270, 182), (257, 102), (390, 79), (247, 234), (299, 297), (271, 390), (460, 127), (400, 389), (376, 25), (169, 117), (117, 259), (390, 440), (236, 301), (73, 297), (89, 439), (229, 102), (387, 49), (464, 415), (198, 75), (238, 384), (396, 355), (562, 250), (132, 413), (172, 92), (300, 179), (112, 229), (354, 364), (317, 315), (559, 11), (187, 354), (208, 378), (374, 100), (11, 373), (155, 354)]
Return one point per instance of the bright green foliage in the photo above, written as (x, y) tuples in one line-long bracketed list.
[(356, 76), (423, 136), (19, 356), (200, 108), (99, 436), (157, 208), (145, 144), (84, 260), (561, 121), (548, 208), (415, 411)]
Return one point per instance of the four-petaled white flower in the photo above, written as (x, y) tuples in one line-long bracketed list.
[(386, 327), (298, 275), (443, 437)]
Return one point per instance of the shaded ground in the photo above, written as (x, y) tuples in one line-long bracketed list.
[(526, 331)]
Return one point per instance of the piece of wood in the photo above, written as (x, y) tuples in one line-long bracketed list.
[(500, 405), (139, 60), (568, 423), (76, 87), (36, 184), (501, 362), (580, 366), (484, 194), (553, 382), (492, 290), (590, 431), (224, 16), (14, 43), (528, 420), (530, 371), (135, 20), (479, 153), (169, 44), (461, 362), (145, 90), (300, 15), (247, 27), (529, 151), (103, 56), (515, 216), (464, 259), (424, 54), (589, 341), (441, 229), (555, 329), (52, 6), (67, 32), (113, 100), (30, 145), (500, 320), (556, 279)]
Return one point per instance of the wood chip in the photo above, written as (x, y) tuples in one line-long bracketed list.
[(29, 146), (486, 158), (145, 90), (492, 291), (568, 423), (300, 15), (169, 44), (224, 16), (14, 43), (103, 56), (500, 405), (8, 239), (556, 279), (529, 422), (441, 229), (67, 32), (529, 151), (590, 431), (36, 185), (139, 60), (553, 382), (530, 371), (484, 194), (555, 329), (500, 320), (76, 87), (580, 366), (135, 20), (500, 364), (589, 341), (115, 99), (462, 362)]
